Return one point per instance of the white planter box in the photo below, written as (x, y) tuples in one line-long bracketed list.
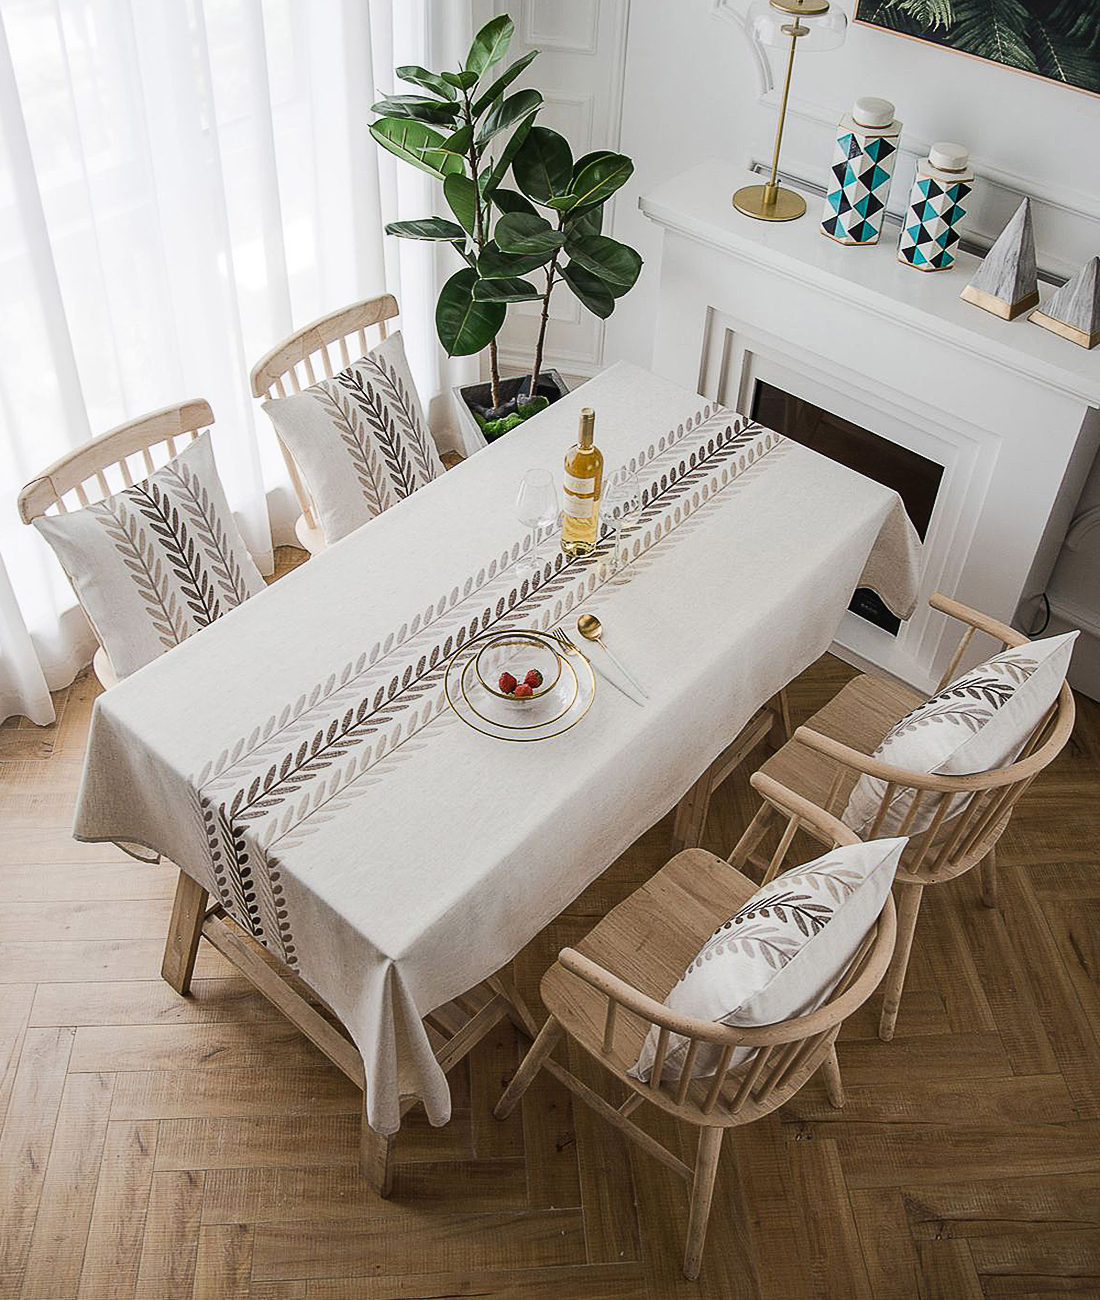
[(469, 431)]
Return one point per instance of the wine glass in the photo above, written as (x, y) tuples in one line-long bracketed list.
[(622, 503), (537, 508)]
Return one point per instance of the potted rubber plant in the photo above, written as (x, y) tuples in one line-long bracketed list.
[(465, 128)]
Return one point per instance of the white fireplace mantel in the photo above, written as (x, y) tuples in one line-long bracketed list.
[(1010, 410)]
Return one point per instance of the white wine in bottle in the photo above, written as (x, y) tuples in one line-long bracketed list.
[(583, 483)]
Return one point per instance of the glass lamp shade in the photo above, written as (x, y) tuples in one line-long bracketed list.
[(770, 22)]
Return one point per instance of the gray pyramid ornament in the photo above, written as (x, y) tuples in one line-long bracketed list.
[(1073, 311), (1006, 282)]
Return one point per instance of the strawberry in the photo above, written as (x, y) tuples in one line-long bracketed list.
[(507, 683), (523, 691), (533, 679)]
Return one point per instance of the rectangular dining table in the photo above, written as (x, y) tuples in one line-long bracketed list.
[(341, 833)]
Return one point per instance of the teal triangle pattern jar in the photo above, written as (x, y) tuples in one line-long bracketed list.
[(933, 219), (863, 166)]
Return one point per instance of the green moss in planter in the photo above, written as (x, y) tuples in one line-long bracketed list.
[(492, 429)]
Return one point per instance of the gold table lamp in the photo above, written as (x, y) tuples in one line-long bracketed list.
[(783, 24)]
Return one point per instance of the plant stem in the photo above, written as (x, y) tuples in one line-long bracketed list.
[(479, 227), (542, 325)]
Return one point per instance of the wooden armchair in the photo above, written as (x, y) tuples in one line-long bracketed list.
[(608, 992), (826, 757), (84, 475), (278, 369)]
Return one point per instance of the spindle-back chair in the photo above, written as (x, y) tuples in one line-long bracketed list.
[(826, 757), (277, 372), (607, 993), (102, 467)]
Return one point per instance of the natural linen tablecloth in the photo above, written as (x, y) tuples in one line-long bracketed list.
[(299, 760)]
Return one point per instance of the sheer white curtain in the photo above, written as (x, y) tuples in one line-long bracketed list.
[(182, 183)]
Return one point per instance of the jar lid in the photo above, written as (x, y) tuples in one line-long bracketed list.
[(949, 157), (871, 111)]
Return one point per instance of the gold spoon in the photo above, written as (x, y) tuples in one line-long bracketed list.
[(590, 627)]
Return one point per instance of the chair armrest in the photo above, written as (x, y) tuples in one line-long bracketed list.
[(975, 619)]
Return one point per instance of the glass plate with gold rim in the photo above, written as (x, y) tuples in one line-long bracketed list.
[(518, 720)]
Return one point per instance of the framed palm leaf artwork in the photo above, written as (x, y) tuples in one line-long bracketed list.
[(1056, 39)]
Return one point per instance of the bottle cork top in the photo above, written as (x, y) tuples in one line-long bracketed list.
[(949, 157), (587, 427), (871, 111)]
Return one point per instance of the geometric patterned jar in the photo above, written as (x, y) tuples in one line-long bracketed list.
[(863, 165), (931, 229)]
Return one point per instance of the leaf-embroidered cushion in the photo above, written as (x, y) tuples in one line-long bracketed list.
[(156, 562), (782, 953), (979, 721), (359, 439)]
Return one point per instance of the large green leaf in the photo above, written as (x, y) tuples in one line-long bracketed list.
[(418, 76), (524, 103), (417, 144), (590, 289), (588, 222), (597, 176), (511, 290), (458, 142), (510, 201), (463, 325), (502, 83), (497, 172), (417, 108), (495, 265), (604, 257), (458, 190), (518, 232), (543, 167), (490, 44), (427, 228), (460, 80)]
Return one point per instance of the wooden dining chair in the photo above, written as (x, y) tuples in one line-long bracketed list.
[(608, 992), (827, 756), (276, 374), (106, 465)]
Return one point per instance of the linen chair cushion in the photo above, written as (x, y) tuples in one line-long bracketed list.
[(781, 954), (979, 721), (359, 439), (157, 561)]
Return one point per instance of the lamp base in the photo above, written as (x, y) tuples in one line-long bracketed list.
[(769, 202)]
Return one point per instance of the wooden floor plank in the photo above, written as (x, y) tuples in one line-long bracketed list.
[(223, 1263), (56, 1254), (25, 1144), (608, 1282), (113, 1250), (399, 1238), (171, 1238), (150, 1002)]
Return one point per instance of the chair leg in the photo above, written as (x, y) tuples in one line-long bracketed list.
[(549, 1037), (830, 1072), (702, 1192), (754, 833), (988, 877), (908, 907), (184, 932), (781, 729)]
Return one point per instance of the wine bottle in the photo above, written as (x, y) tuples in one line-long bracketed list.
[(583, 482)]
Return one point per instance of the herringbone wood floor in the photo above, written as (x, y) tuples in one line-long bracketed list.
[(162, 1148)]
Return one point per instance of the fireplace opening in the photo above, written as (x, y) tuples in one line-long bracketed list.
[(913, 477)]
